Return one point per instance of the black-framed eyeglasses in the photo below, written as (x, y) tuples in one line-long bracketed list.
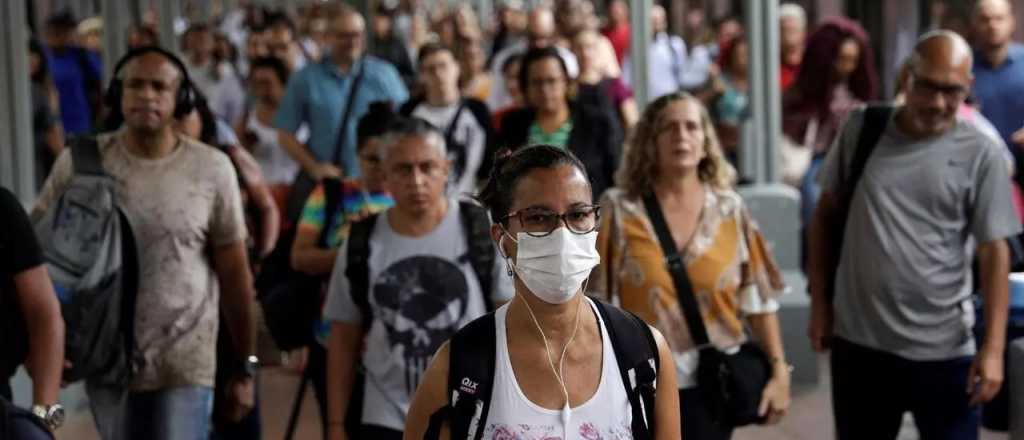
[(925, 86), (540, 222)]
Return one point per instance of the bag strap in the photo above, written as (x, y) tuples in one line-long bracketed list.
[(637, 355), (676, 266), (332, 201), (85, 156), (480, 247), (471, 363), (343, 130), (876, 118), (357, 265), (453, 124)]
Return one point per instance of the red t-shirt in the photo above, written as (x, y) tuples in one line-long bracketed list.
[(619, 37), (787, 74)]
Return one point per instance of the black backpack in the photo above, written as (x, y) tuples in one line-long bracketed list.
[(291, 299), (477, 227), (471, 368)]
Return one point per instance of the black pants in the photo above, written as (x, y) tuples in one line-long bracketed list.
[(316, 365), (871, 390), (696, 419), (374, 432)]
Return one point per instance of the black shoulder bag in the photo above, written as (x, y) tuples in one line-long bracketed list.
[(731, 384)]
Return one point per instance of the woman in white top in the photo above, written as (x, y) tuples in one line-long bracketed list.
[(556, 374)]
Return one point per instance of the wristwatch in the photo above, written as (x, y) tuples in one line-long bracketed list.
[(51, 415), (249, 366)]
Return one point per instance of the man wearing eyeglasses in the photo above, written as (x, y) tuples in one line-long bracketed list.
[(331, 95), (902, 305), (405, 280)]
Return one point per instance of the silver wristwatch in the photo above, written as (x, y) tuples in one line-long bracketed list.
[(51, 415)]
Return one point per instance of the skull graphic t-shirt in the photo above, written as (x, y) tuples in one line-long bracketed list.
[(421, 290)]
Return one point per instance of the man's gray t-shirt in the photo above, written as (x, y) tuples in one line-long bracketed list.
[(904, 279), (421, 290)]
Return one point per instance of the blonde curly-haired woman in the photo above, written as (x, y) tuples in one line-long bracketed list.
[(675, 162)]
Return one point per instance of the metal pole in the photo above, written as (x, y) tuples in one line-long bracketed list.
[(167, 12), (115, 35), (17, 158), (640, 43), (751, 159), (772, 93)]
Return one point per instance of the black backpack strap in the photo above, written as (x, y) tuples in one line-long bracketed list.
[(477, 227), (471, 363), (876, 118), (85, 156), (637, 355), (332, 201), (357, 265)]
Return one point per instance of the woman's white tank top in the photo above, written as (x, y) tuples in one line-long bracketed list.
[(607, 415)]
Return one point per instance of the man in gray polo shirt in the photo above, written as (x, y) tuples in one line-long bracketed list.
[(902, 306)]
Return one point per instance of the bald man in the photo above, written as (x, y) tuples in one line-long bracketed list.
[(999, 73), (899, 323), (541, 32)]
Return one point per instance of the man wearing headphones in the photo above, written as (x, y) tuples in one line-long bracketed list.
[(182, 200)]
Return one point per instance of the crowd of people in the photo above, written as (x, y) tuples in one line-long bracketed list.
[(460, 231)]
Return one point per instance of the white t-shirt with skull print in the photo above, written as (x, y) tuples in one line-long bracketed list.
[(421, 291)]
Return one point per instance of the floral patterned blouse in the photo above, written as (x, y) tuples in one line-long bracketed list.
[(728, 262)]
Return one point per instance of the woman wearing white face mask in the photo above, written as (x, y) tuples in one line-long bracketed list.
[(551, 363)]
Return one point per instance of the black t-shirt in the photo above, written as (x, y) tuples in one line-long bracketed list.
[(19, 251)]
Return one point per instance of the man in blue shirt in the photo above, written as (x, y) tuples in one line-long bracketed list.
[(318, 94), (999, 73), (76, 74)]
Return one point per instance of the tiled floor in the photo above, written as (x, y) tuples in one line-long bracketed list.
[(809, 419)]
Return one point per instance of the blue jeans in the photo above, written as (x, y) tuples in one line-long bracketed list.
[(872, 389), (179, 413)]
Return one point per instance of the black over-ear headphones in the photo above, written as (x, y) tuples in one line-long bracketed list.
[(184, 103)]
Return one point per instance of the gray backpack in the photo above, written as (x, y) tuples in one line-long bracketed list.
[(90, 252)]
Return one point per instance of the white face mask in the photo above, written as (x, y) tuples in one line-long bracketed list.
[(554, 267)]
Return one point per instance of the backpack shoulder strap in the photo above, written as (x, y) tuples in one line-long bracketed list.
[(85, 156), (332, 202), (637, 355), (477, 227), (876, 118), (357, 265), (471, 363)]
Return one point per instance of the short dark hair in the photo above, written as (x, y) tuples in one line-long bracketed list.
[(431, 49), (275, 64), (515, 58), (374, 123), (535, 55), (509, 168), (279, 19), (62, 21)]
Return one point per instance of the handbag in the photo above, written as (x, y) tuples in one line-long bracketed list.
[(730, 383)]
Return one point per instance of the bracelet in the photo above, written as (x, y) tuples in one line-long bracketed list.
[(789, 367)]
